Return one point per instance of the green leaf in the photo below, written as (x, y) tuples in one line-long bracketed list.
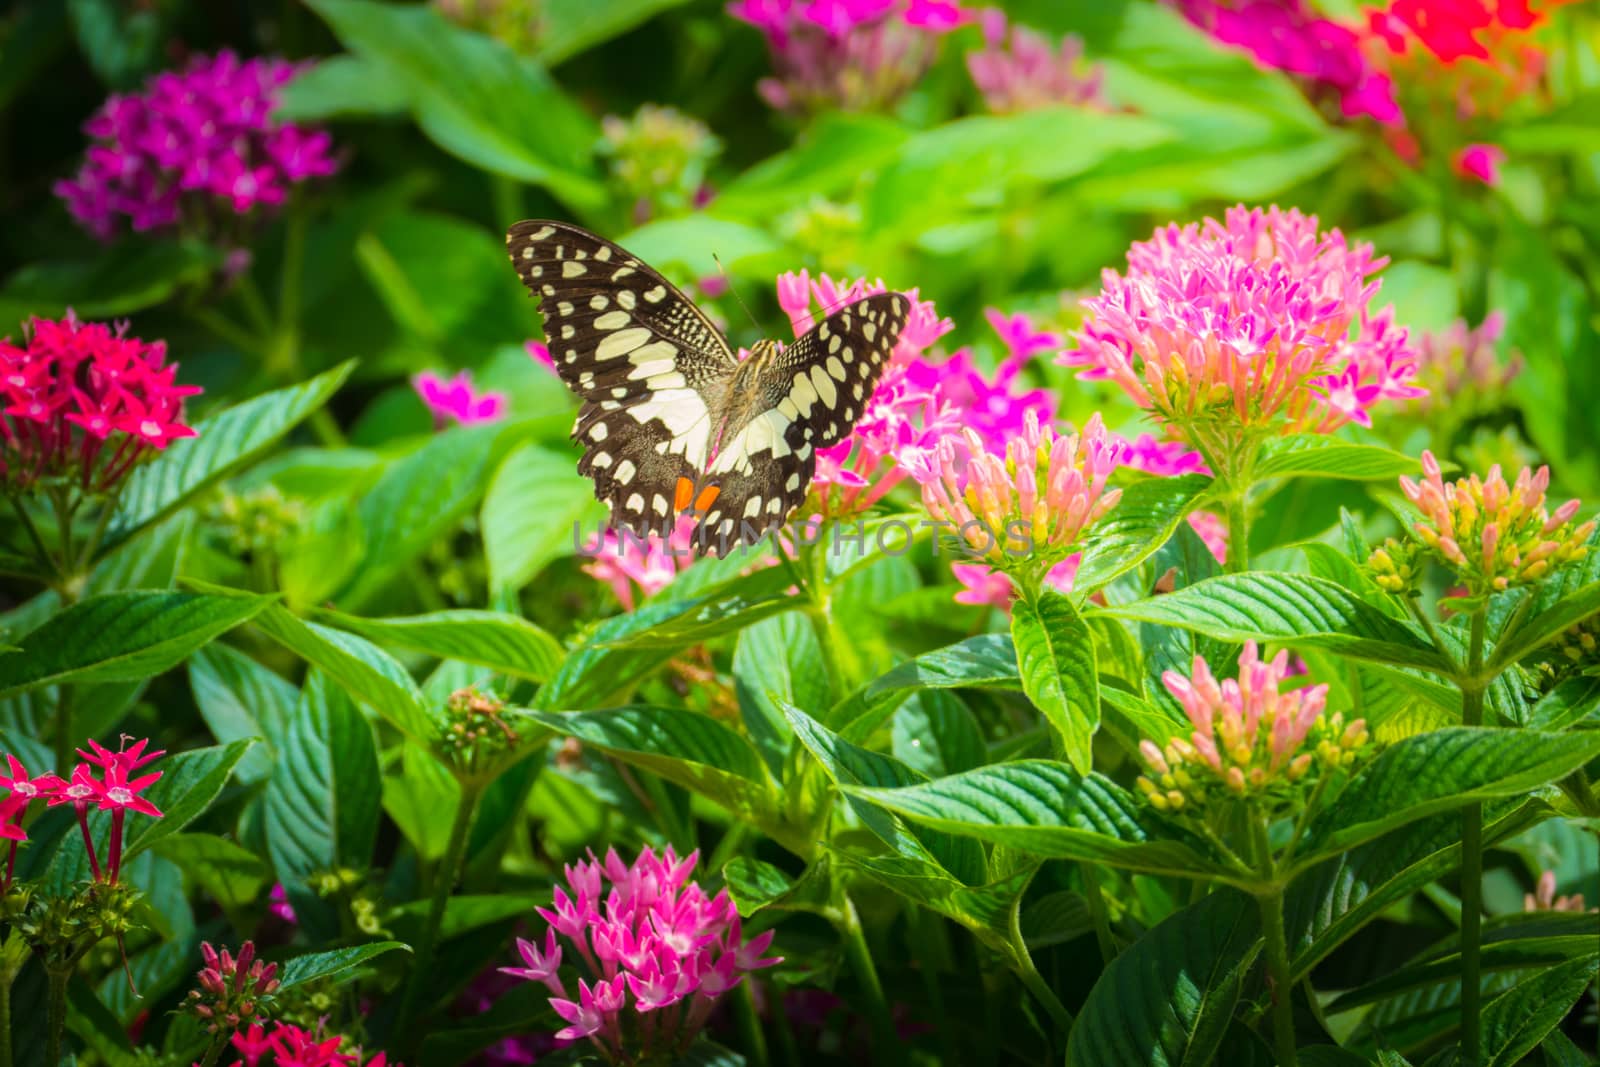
[(364, 670), (1516, 1021), (1438, 771), (987, 661), (533, 505), (189, 782), (755, 885), (342, 87), (228, 442), (1319, 455), (1166, 1000), (692, 240), (320, 810), (685, 747), (777, 661), (422, 800), (1047, 809), (239, 698), (132, 276), (339, 964), (567, 27), (475, 97), (1055, 659), (1146, 516), (417, 500), (1544, 626), (597, 672), (1574, 700), (830, 155), (500, 641), (119, 637), (1292, 609), (229, 873)]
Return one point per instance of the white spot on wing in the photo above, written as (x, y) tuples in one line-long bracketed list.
[(572, 268), (621, 343)]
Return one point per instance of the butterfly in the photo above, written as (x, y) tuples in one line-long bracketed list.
[(672, 421)]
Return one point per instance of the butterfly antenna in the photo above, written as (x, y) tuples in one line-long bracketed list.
[(732, 289)]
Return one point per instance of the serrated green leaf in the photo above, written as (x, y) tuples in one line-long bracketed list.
[(498, 640), (685, 747), (226, 443), (117, 637), (1544, 626), (1047, 809), (320, 809), (533, 505), (987, 661), (1329, 457), (1167, 999), (1055, 660), (474, 97), (777, 660), (1292, 609), (337, 965), (1438, 771), (755, 885), (239, 698), (1517, 1020), (231, 874), (1145, 518), (190, 781)]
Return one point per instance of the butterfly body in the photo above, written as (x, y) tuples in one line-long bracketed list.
[(672, 421)]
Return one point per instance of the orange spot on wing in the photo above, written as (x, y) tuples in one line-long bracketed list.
[(683, 494), (707, 497)]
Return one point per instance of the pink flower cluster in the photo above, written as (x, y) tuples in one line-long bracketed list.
[(635, 568), (1459, 365), (84, 404), (1018, 69), (1288, 35), (197, 145), (1248, 736), (1033, 503), (286, 1045), (852, 54), (653, 935), (455, 399), (1495, 535), (115, 790), (1229, 329), (231, 991)]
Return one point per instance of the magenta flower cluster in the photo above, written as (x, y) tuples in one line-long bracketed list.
[(288, 1045), (654, 950), (1019, 69), (84, 403), (457, 400), (196, 147)]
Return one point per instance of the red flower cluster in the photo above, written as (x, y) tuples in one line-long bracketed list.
[(293, 1046), (1452, 29), (115, 790), (82, 403)]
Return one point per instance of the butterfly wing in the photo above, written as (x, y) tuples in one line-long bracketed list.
[(807, 398), (651, 369)]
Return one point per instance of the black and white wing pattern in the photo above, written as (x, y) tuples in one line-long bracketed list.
[(651, 369), (791, 403)]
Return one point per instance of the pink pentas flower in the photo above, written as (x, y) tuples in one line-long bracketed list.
[(1480, 162), (115, 792), (455, 399), (84, 404), (1225, 330), (1288, 35), (1018, 69), (195, 148), (637, 567), (653, 953), (859, 55)]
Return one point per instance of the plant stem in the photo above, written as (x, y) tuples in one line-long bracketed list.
[(56, 1015), (856, 951), (1472, 863), (1238, 532), (45, 558), (754, 1038), (1097, 913), (1030, 974), (444, 879), (1269, 897), (1278, 972), (7, 977)]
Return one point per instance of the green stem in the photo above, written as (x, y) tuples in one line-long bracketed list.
[(7, 977), (1238, 533), (1277, 947), (55, 1026), (214, 1050), (877, 1007), (45, 558), (1472, 864), (444, 880), (1030, 974), (1097, 913), (754, 1038), (228, 330)]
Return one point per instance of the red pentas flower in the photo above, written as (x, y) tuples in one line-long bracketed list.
[(83, 403), (115, 792), (24, 790)]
